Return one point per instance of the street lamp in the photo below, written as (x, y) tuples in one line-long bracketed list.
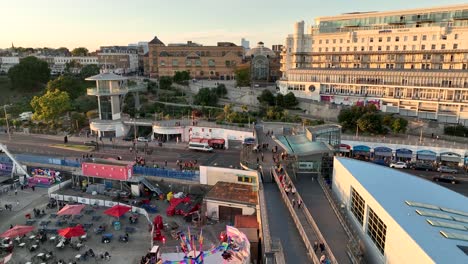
[(7, 123)]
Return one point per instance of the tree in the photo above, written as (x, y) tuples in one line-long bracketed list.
[(243, 75), (68, 84), (181, 77), (266, 98), (227, 109), (30, 74), (85, 103), (81, 51), (89, 70), (348, 117), (279, 100), (50, 106), (221, 90), (399, 125), (165, 82), (206, 97), (370, 123), (289, 100)]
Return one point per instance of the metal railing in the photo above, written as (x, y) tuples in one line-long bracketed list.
[(173, 174)]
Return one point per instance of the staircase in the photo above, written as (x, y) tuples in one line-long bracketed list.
[(150, 186)]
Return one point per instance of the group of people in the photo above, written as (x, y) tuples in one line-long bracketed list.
[(323, 258), (289, 188), (187, 164), (148, 259)]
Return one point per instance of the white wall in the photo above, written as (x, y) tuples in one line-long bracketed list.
[(399, 246), (211, 175), (117, 126), (212, 208)]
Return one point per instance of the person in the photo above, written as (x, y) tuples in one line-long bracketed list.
[(11, 226), (107, 256), (293, 202), (16, 191), (299, 203), (293, 190), (322, 247), (315, 246)]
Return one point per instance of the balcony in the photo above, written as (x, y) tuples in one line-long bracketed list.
[(123, 90)]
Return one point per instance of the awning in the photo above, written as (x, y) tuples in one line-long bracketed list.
[(426, 155), (450, 156), (345, 148), (361, 150), (217, 141), (383, 151), (404, 153)]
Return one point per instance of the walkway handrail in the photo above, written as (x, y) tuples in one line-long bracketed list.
[(312, 222), (300, 228)]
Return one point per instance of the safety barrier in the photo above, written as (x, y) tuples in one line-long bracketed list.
[(43, 160)]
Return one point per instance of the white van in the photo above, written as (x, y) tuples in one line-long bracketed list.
[(200, 146), (25, 116)]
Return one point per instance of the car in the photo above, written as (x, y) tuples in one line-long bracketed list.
[(91, 143), (380, 162), (128, 138), (143, 139), (422, 166), (398, 165), (447, 169), (249, 141), (446, 178)]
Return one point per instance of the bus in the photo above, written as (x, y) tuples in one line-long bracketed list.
[(200, 146)]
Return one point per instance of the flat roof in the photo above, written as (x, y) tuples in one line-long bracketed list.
[(400, 194), (245, 221), (108, 161), (322, 128), (106, 76), (233, 192), (299, 145)]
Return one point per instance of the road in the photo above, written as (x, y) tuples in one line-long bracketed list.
[(42, 145)]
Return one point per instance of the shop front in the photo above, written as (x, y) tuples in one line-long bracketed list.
[(404, 154), (361, 152), (345, 150), (383, 153), (426, 156), (450, 158)]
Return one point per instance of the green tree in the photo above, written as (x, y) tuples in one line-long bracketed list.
[(50, 106), (165, 82), (227, 109), (181, 77), (266, 98), (85, 103), (30, 74), (206, 97), (80, 51), (221, 90), (289, 100), (271, 113), (78, 119), (388, 120), (69, 84), (399, 125), (89, 70), (279, 100), (370, 123), (243, 76), (348, 116)]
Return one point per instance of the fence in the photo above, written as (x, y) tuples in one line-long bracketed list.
[(181, 175), (43, 160)]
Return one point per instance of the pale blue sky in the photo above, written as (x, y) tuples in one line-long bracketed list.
[(92, 23)]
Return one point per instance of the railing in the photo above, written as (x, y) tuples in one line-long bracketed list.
[(108, 91), (43, 160), (353, 242)]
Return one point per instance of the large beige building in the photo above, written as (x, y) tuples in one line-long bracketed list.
[(203, 62), (411, 62)]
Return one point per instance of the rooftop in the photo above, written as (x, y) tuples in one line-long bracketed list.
[(299, 145), (156, 41), (424, 215), (108, 162), (245, 221), (233, 192), (106, 76)]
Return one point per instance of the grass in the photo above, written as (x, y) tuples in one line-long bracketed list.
[(73, 147)]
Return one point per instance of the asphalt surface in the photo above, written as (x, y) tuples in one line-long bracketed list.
[(42, 145)]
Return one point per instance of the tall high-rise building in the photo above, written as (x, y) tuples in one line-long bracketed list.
[(245, 43), (411, 62)]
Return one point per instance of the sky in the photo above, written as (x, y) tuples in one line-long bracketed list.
[(94, 23)]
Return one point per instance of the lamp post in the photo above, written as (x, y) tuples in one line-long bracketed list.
[(7, 123)]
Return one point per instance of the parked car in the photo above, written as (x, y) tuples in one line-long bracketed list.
[(249, 141), (447, 169), (446, 178), (422, 166), (91, 143), (143, 139), (398, 165), (128, 138)]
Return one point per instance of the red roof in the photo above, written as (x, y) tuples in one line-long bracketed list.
[(245, 221)]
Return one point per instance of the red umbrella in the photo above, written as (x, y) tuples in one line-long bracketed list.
[(70, 232), (17, 231), (71, 209), (117, 210)]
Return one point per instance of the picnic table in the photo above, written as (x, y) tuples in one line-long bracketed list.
[(44, 223), (106, 238), (87, 225), (130, 229), (30, 222)]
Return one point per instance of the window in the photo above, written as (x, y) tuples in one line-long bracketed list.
[(404, 47), (246, 179), (389, 39), (197, 62), (455, 46), (379, 48), (163, 63), (347, 48), (413, 47), (433, 46), (388, 47), (326, 41), (211, 63), (371, 40), (320, 49), (423, 47), (357, 205), (333, 49), (188, 63), (355, 48), (397, 39), (362, 40), (426, 56), (334, 41), (362, 48), (455, 36), (442, 46), (371, 48), (380, 39), (415, 38), (377, 230), (341, 40), (405, 38), (424, 37), (326, 49), (175, 63), (320, 41), (396, 47)]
